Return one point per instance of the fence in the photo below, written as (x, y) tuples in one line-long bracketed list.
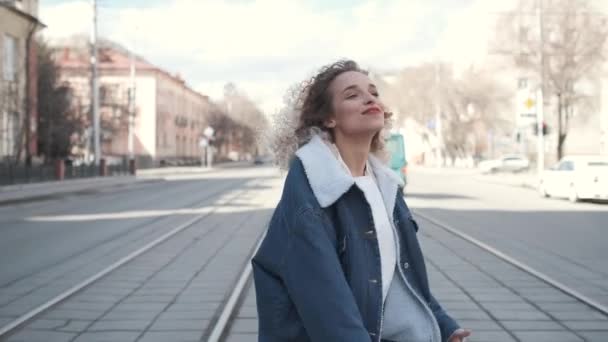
[(11, 174)]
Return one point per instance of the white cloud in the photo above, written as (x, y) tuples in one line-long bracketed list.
[(263, 45), (58, 24)]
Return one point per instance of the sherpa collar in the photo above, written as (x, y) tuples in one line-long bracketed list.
[(329, 181)]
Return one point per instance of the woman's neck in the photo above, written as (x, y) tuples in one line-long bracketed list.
[(354, 152)]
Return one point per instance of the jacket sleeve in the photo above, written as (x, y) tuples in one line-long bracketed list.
[(447, 324), (316, 283)]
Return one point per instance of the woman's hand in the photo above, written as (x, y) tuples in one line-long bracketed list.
[(459, 335)]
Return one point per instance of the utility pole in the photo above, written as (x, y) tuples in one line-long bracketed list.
[(95, 86), (131, 107), (540, 103)]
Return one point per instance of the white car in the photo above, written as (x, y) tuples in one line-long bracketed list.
[(508, 163), (577, 177)]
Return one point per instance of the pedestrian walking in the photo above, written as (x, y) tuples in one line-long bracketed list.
[(340, 260)]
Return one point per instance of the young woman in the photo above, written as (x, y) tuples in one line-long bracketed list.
[(341, 260)]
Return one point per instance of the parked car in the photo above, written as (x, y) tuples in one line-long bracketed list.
[(576, 178), (262, 159), (506, 163)]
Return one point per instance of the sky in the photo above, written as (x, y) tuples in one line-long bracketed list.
[(264, 46)]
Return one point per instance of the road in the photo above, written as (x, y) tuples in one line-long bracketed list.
[(176, 290), (564, 240)]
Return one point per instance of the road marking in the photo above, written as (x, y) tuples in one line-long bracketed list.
[(565, 289)]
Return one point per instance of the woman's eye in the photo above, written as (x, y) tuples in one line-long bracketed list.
[(351, 96)]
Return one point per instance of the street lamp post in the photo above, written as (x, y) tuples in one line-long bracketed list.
[(95, 87), (206, 144), (131, 116)]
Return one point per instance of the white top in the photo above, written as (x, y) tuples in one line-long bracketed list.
[(384, 229)]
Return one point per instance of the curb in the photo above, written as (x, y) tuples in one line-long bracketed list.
[(25, 193), (531, 185)]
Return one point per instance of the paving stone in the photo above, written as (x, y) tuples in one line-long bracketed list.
[(108, 336), (76, 326), (579, 315), (239, 337), (48, 324), (469, 314), (248, 312), (547, 336), (587, 325), (493, 336), (477, 325), (172, 336), (179, 325), (531, 325), (139, 307), (72, 314), (41, 336), (129, 315), (6, 320), (86, 306), (122, 325), (519, 315), (187, 315), (595, 336), (245, 325)]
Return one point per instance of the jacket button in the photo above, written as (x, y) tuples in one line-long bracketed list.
[(373, 281), (372, 334), (370, 232), (406, 265)]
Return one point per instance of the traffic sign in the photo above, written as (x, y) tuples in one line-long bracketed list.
[(526, 107)]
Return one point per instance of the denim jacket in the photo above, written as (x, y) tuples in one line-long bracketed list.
[(317, 273)]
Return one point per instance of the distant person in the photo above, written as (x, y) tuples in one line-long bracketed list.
[(341, 260)]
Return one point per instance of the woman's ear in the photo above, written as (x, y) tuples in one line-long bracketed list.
[(331, 123)]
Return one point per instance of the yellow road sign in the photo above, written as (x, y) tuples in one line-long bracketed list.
[(529, 103)]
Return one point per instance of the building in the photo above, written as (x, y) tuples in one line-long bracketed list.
[(170, 117), (18, 25)]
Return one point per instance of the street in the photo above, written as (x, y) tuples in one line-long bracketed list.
[(195, 232), (564, 240)]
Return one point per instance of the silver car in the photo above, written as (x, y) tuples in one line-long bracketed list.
[(506, 163)]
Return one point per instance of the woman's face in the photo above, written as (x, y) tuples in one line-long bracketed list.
[(357, 110)]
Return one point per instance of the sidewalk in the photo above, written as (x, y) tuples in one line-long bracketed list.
[(20, 193), (527, 180), (499, 302)]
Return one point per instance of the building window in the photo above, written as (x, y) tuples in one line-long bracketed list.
[(9, 58), (9, 124), (522, 83)]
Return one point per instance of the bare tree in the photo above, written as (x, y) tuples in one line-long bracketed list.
[(467, 101), (565, 48), (248, 121)]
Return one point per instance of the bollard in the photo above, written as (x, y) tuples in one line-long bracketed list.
[(132, 167), (59, 169), (103, 168)]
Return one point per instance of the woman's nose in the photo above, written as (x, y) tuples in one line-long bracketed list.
[(369, 99)]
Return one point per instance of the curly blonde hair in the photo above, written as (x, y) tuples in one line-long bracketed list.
[(308, 105)]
